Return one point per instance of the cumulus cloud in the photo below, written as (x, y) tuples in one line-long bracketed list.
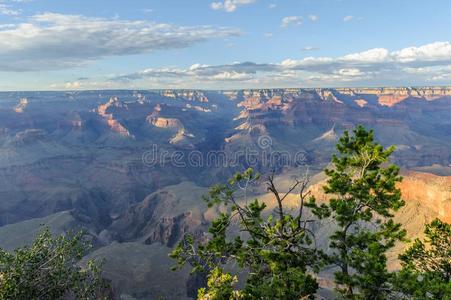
[(291, 21), (372, 56), (230, 5), (438, 51), (378, 59), (56, 41), (427, 63)]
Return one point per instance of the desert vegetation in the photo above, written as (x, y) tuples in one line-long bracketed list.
[(51, 269)]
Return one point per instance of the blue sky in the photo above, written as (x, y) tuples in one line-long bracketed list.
[(223, 44)]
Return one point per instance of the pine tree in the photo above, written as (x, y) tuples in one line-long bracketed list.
[(363, 192), (220, 287), (426, 265), (278, 253)]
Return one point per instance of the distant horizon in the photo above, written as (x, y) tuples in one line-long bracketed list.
[(239, 89)]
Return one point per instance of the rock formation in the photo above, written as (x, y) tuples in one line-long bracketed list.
[(188, 95), (115, 125), (20, 107)]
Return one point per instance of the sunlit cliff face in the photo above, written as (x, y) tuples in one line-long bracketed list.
[(432, 191)]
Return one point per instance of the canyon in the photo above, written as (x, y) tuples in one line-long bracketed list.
[(130, 167)]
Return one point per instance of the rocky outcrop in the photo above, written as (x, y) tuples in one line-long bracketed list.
[(432, 191), (115, 125), (392, 96), (361, 102), (244, 114), (275, 101), (164, 216), (30, 136), (345, 107), (254, 99), (198, 108), (169, 230), (182, 138), (390, 100), (187, 95), (252, 103), (165, 122), (74, 120), (327, 95), (328, 136), (113, 102), (140, 98), (20, 107), (426, 197), (118, 127), (157, 120), (231, 95)]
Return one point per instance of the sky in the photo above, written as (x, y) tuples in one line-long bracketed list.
[(223, 44)]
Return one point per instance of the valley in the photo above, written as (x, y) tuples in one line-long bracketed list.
[(130, 167)]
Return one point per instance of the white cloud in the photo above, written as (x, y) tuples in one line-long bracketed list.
[(84, 85), (433, 73), (442, 77), (313, 18), (373, 55), (217, 5), (434, 54), (197, 66), (272, 5), (352, 18), (427, 63), (309, 48), (353, 72), (230, 5), (73, 85), (437, 51), (231, 76), (7, 10), (56, 41), (291, 21)]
